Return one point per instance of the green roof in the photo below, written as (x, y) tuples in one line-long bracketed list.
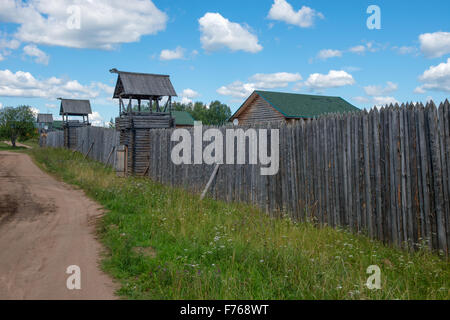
[(183, 118), (293, 105)]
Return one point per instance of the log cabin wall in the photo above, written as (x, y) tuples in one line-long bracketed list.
[(259, 111), (70, 134), (135, 135)]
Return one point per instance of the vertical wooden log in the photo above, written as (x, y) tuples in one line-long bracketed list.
[(367, 184), (437, 179), (409, 192), (378, 175), (392, 172), (340, 178), (425, 174), (403, 191)]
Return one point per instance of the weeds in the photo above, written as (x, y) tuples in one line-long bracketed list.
[(164, 243)]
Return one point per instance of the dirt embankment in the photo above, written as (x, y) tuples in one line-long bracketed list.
[(46, 226)]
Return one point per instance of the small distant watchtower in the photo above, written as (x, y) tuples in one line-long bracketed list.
[(77, 108), (44, 122), (135, 121)]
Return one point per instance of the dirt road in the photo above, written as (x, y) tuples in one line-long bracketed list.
[(45, 227)]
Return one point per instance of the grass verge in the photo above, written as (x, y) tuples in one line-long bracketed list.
[(164, 243), (6, 147)]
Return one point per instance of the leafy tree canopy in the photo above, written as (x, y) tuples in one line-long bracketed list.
[(216, 114), (17, 123)]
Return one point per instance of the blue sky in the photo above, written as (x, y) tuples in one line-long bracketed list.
[(223, 50)]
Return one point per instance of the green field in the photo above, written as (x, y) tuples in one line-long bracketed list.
[(165, 243)]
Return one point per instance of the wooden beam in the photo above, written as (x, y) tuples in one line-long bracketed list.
[(211, 179), (89, 151), (81, 147), (112, 150)]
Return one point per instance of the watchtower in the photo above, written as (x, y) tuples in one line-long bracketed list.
[(77, 108), (135, 121), (44, 122)]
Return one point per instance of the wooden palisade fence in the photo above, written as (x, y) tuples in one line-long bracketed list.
[(385, 173)]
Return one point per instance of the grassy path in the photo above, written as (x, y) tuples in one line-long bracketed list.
[(165, 243)]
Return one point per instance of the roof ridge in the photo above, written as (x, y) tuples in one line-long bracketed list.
[(299, 94), (64, 99), (139, 73)]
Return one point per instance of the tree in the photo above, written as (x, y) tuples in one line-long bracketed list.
[(17, 123), (218, 113), (111, 124)]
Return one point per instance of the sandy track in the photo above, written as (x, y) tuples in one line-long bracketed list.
[(46, 226)]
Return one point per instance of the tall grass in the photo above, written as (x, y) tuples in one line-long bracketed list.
[(165, 243)]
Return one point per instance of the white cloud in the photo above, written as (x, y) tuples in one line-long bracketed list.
[(358, 49), (435, 45), (274, 80), (35, 111), (374, 47), (166, 54), (419, 90), (383, 101), (218, 32), (24, 84), (187, 95), (282, 10), (367, 47), (6, 45), (379, 90), (239, 89), (378, 95), (96, 119), (334, 79), (361, 99), (106, 88), (329, 53), (404, 50), (103, 23), (39, 55), (436, 78)]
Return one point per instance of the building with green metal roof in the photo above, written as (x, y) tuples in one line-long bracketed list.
[(183, 119), (269, 106)]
